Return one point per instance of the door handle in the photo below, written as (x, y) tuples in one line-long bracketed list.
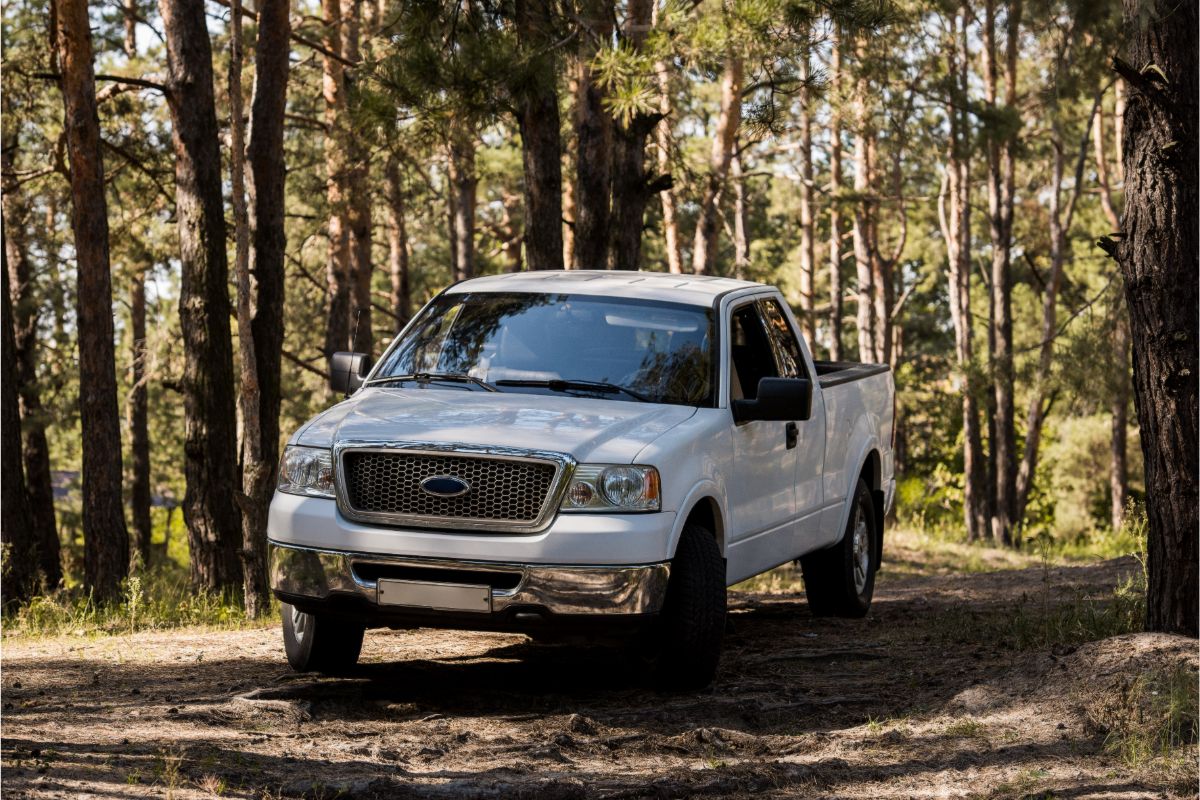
[(793, 433)]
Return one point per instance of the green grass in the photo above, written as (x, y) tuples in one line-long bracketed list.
[(152, 600), (1152, 718), (155, 598)]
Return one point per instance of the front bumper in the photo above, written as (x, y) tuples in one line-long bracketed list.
[(521, 595)]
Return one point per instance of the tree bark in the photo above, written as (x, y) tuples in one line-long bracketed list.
[(541, 142), (863, 187), (594, 145), (210, 436), (631, 188), (665, 142), (338, 260), (18, 540), (358, 192), (106, 539), (808, 261), (708, 229), (954, 211), (260, 285), (137, 410), (1001, 178), (1158, 256), (35, 450), (836, 308), (463, 185), (401, 293), (741, 217), (1118, 471)]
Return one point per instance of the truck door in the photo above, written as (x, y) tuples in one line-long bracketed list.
[(762, 491), (810, 433)]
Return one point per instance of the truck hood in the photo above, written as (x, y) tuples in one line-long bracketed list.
[(595, 430)]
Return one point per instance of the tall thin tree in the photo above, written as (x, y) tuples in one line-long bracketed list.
[(106, 539), (210, 426)]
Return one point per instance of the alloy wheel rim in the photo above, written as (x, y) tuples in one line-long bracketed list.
[(862, 551), (299, 623)]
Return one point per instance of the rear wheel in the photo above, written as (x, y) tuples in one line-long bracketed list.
[(840, 581), (316, 643), (693, 614)]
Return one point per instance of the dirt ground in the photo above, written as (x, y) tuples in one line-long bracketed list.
[(917, 700)]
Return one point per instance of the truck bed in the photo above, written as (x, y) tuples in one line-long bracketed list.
[(835, 373)]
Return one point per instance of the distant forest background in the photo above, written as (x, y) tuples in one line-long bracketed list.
[(933, 186)]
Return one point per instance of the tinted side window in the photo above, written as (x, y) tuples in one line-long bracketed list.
[(783, 340), (751, 353)]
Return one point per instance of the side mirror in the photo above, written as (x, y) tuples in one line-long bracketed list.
[(779, 400), (347, 371)]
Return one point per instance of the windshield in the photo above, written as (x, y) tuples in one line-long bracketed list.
[(626, 349)]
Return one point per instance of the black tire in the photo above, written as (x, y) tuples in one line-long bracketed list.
[(693, 614), (315, 643), (830, 580)]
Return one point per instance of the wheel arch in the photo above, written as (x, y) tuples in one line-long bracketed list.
[(702, 508)]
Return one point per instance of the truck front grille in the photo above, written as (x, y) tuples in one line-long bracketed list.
[(503, 492)]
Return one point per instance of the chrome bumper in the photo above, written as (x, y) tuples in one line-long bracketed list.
[(301, 572)]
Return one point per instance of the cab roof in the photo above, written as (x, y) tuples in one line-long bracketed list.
[(698, 290)]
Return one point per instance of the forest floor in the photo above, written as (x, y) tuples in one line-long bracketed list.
[(958, 684)]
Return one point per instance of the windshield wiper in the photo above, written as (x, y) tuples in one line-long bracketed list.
[(429, 377), (559, 385)]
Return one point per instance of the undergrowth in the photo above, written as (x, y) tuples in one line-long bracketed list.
[(1151, 718), (152, 599)]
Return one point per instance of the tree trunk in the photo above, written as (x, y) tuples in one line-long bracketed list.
[(863, 186), (139, 432), (665, 147), (954, 214), (631, 188), (338, 260), (1001, 176), (129, 18), (1118, 472), (357, 192), (741, 217), (260, 284), (210, 446), (708, 229), (1158, 257), (808, 261), (401, 294), (594, 145), (18, 540), (835, 188), (463, 185), (35, 449), (106, 539), (541, 140)]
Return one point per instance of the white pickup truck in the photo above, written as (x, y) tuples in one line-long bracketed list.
[(581, 454)]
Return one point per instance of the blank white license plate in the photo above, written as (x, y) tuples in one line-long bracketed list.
[(439, 596)]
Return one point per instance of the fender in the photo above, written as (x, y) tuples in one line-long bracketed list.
[(705, 488), (871, 444)]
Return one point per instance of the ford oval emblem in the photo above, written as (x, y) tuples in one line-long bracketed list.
[(445, 486)]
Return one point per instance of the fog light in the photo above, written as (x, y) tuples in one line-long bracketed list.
[(580, 494)]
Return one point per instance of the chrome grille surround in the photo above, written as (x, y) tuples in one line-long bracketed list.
[(437, 513)]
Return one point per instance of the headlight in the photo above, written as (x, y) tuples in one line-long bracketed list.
[(596, 487), (307, 471)]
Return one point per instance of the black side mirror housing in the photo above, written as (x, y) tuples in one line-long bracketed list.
[(779, 400), (347, 371)]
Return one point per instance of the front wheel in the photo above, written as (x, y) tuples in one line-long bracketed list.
[(693, 614), (316, 643), (840, 581)]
